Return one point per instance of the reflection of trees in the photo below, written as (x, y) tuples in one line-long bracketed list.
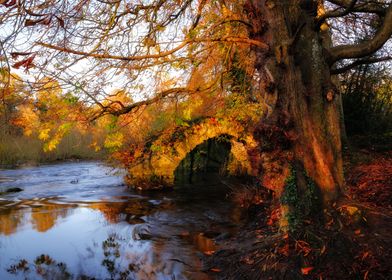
[(42, 219), (131, 211), (45, 217), (9, 221)]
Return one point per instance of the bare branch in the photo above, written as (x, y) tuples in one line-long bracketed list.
[(337, 12), (116, 57), (370, 7), (366, 48), (359, 62), (158, 55), (158, 97)]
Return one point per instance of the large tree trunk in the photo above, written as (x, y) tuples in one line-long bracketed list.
[(301, 127)]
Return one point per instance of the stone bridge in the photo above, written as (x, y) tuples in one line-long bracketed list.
[(156, 170)]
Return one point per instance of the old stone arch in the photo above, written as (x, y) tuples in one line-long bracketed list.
[(157, 170)]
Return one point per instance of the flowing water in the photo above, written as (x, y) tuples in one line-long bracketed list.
[(79, 221)]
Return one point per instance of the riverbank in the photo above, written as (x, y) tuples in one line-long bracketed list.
[(353, 242), (20, 151)]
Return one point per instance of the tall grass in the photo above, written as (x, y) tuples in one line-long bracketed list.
[(19, 149)]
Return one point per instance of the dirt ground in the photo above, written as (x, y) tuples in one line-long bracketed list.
[(353, 240)]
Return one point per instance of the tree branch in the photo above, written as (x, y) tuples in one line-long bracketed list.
[(159, 96), (359, 62), (242, 40), (366, 48), (374, 8), (116, 57), (336, 13)]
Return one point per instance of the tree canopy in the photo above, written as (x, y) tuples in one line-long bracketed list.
[(157, 49)]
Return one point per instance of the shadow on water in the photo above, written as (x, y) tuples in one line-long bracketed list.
[(96, 228)]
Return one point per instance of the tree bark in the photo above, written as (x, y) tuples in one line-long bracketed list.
[(306, 113)]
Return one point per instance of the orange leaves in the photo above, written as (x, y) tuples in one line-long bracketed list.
[(213, 121)]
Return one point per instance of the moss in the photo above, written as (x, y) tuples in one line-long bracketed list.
[(301, 205)]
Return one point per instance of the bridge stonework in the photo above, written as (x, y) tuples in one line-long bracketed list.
[(157, 169)]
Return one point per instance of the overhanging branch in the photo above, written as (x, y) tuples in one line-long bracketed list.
[(370, 7), (337, 12), (366, 48), (241, 40), (359, 62)]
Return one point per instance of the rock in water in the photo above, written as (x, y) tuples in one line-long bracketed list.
[(13, 190)]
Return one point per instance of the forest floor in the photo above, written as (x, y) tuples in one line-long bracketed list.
[(353, 240)]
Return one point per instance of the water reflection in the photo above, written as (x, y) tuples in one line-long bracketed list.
[(9, 221), (102, 230), (42, 216)]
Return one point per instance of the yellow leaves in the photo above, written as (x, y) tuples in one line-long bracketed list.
[(114, 141), (51, 145), (44, 134), (57, 137), (187, 113), (95, 146), (28, 119)]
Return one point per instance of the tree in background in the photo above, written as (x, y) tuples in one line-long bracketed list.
[(367, 100)]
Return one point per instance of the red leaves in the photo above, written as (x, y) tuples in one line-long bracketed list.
[(26, 63)]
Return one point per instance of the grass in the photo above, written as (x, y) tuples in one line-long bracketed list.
[(18, 150)]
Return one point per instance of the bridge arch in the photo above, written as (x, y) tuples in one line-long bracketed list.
[(157, 169)]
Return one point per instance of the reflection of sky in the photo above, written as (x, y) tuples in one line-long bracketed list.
[(69, 241)]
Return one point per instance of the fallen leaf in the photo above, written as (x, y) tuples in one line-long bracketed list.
[(365, 277), (306, 270), (215, 269)]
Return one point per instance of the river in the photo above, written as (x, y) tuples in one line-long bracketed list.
[(79, 221)]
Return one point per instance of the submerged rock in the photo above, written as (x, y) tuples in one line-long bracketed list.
[(13, 190)]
